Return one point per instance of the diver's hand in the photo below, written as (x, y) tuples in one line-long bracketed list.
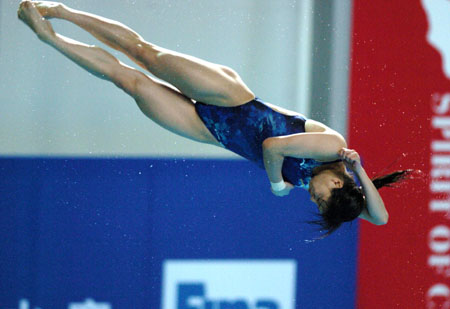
[(351, 159), (285, 191)]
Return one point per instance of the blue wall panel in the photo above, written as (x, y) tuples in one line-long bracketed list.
[(101, 228)]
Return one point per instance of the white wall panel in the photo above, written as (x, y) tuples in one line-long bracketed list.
[(50, 106)]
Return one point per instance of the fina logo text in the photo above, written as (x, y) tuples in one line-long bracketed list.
[(194, 296), (229, 284)]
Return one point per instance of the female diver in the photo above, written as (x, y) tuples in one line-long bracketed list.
[(209, 103)]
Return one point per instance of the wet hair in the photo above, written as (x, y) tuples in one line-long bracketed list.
[(346, 203)]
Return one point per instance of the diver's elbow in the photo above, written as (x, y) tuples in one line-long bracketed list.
[(382, 221)]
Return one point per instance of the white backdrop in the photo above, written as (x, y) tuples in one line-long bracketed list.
[(50, 106)]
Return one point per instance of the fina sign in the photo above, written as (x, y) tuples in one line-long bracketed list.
[(231, 284)]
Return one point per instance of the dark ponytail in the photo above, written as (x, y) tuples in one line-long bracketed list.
[(346, 203), (392, 178)]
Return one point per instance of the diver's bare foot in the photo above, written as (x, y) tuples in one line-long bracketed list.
[(49, 9), (30, 15)]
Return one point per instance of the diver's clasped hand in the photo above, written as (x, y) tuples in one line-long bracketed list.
[(351, 159), (285, 191)]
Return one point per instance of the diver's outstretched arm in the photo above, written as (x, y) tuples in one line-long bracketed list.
[(375, 211)]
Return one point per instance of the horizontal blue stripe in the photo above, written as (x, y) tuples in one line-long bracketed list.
[(78, 227)]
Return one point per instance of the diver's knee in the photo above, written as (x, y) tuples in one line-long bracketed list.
[(128, 80), (146, 53), (229, 71)]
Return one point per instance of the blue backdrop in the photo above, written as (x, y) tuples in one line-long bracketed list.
[(101, 228)]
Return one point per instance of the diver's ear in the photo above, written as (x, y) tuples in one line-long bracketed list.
[(339, 183)]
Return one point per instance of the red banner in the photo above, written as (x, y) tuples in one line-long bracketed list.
[(400, 108)]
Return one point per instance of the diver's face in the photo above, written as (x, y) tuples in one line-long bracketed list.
[(321, 185)]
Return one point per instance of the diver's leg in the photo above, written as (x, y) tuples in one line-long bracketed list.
[(198, 79), (164, 105), (114, 34)]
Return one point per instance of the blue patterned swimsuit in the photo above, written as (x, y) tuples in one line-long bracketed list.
[(242, 129)]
